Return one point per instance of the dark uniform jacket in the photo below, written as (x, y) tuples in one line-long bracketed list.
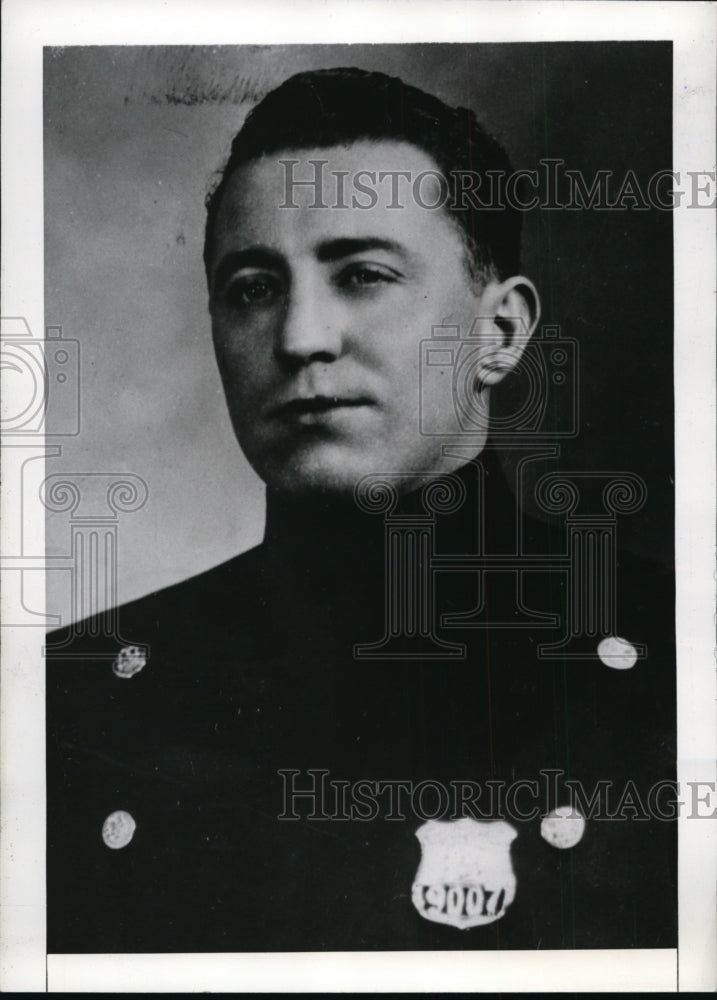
[(178, 746)]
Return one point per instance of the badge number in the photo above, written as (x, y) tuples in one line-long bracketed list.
[(465, 878)]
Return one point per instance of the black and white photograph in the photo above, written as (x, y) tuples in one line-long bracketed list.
[(369, 601)]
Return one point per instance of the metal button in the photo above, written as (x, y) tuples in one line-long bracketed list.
[(617, 653), (118, 829), (563, 827)]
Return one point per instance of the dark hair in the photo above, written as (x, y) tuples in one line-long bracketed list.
[(339, 106)]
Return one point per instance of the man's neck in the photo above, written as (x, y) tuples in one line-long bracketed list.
[(324, 559), (325, 531), (317, 535)]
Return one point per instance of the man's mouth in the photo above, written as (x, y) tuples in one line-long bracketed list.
[(317, 405)]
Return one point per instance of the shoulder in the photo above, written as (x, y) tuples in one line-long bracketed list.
[(141, 656), (215, 593)]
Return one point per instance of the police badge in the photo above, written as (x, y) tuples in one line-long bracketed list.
[(465, 877)]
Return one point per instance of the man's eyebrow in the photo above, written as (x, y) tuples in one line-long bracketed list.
[(336, 249), (254, 256)]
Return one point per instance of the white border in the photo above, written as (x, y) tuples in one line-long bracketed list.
[(394, 971), (30, 24), (695, 491)]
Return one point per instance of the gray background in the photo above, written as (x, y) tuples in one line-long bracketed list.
[(133, 137)]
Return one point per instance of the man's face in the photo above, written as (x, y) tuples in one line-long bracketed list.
[(318, 314)]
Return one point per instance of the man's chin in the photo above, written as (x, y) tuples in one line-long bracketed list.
[(337, 471), (305, 487), (316, 473)]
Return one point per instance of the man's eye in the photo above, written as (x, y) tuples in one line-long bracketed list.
[(365, 276), (253, 290)]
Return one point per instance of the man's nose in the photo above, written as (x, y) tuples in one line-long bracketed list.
[(310, 327)]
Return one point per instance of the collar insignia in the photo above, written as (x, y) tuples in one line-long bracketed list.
[(129, 661)]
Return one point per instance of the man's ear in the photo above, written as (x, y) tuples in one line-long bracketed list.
[(510, 311)]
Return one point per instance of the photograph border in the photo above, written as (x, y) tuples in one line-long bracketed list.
[(33, 24)]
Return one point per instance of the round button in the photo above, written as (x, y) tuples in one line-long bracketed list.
[(129, 661), (118, 829), (617, 653), (563, 827)]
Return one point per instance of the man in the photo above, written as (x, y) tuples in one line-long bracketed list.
[(290, 752)]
